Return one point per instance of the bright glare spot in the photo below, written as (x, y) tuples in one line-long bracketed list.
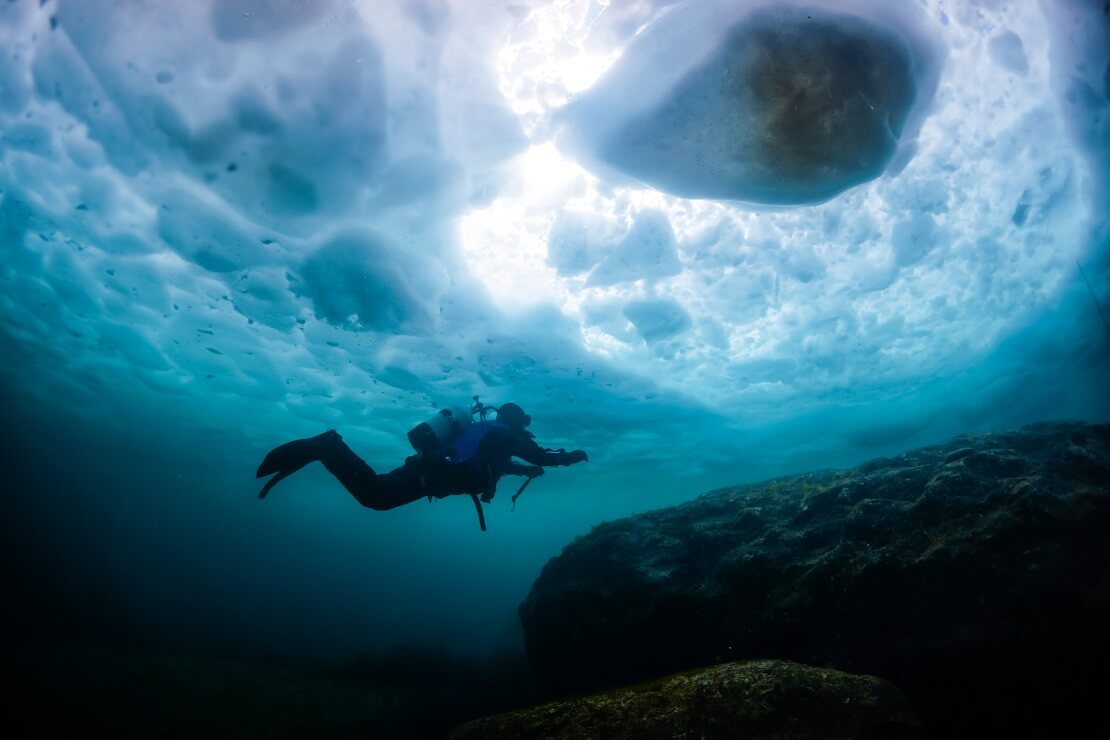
[(582, 71), (506, 242), (548, 64)]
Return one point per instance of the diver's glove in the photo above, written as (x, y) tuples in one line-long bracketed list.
[(576, 456)]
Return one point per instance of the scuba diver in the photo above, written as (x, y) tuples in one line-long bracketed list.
[(454, 455)]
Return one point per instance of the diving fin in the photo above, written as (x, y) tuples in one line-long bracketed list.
[(478, 506), (290, 457), (274, 481), (293, 456)]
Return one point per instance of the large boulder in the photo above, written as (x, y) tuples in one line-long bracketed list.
[(974, 575), (753, 699), (762, 102)]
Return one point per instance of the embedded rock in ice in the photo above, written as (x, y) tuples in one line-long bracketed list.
[(762, 103)]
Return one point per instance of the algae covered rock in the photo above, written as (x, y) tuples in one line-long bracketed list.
[(751, 699), (974, 575)]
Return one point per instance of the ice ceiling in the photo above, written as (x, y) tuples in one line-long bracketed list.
[(658, 226)]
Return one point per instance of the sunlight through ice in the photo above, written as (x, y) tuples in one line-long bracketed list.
[(506, 242), (545, 62), (539, 70)]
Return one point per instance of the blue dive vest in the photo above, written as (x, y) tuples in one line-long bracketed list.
[(464, 448)]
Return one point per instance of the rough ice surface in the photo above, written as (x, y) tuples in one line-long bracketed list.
[(647, 251), (1008, 52), (806, 235)]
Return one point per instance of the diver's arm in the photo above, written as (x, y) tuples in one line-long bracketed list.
[(515, 468), (527, 449)]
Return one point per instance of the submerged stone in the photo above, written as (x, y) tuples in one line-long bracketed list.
[(752, 699), (973, 574)]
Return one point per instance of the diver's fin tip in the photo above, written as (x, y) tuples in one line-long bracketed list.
[(274, 481)]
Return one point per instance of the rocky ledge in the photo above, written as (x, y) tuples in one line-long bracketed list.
[(974, 575), (752, 699)]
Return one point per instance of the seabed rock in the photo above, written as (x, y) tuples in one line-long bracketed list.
[(752, 699), (974, 575)]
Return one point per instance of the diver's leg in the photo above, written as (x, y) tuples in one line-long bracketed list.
[(380, 492), (290, 457)]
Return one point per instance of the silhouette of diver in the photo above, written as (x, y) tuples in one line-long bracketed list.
[(472, 463)]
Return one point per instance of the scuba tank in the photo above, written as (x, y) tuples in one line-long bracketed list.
[(432, 434), (447, 425)]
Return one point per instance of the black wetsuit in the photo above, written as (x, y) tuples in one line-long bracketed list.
[(438, 475)]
